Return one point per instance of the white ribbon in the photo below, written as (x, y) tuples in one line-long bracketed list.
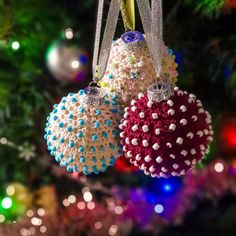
[(100, 57)]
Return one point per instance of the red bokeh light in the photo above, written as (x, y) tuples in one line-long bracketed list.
[(229, 135)]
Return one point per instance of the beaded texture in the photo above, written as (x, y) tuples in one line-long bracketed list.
[(82, 137), (130, 71), (166, 138)]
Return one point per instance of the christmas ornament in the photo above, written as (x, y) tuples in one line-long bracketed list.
[(67, 62), (166, 136), (130, 68), (81, 131)]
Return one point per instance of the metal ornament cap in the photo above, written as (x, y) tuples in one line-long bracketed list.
[(93, 96), (132, 40), (161, 91)]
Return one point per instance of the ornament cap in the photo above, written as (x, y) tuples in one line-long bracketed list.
[(160, 91), (93, 96), (132, 40)]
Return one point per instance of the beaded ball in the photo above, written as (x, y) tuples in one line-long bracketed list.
[(166, 138), (130, 68), (83, 137)]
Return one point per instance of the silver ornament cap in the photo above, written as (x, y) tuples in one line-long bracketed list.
[(93, 96)]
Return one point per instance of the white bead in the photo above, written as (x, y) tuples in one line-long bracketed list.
[(194, 118), (172, 127), (140, 95), (133, 108), (143, 167), (129, 154), (145, 143), (211, 132), (133, 102), (184, 153), (147, 158), (174, 173), (187, 162), (135, 163), (200, 133), (138, 157), (149, 103), (193, 151), (154, 175), (134, 127), (121, 126), (155, 146), (183, 108), (172, 156), (171, 112), (208, 120), (134, 141), (200, 111), (202, 147), (209, 138), (141, 115), (175, 166), (190, 100), (169, 145), (190, 135), (182, 172), (127, 141), (206, 132), (154, 116), (145, 128), (183, 122), (125, 122), (176, 88), (124, 148), (122, 134), (192, 96), (157, 131), (146, 172), (126, 115), (194, 162), (159, 159), (152, 169), (140, 64), (162, 174), (163, 169), (179, 140), (180, 93), (126, 109), (170, 103)]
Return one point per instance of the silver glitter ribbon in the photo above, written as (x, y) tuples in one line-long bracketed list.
[(152, 20)]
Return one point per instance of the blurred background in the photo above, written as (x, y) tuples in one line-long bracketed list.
[(37, 197)]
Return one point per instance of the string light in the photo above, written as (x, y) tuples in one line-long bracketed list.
[(10, 190), (3, 140), (6, 203), (159, 208), (87, 196), (98, 225), (41, 212), (91, 205), (219, 167), (81, 205), (75, 64), (2, 218), (15, 45), (72, 199), (69, 33), (29, 213), (113, 230), (118, 210), (36, 221), (66, 203), (43, 229)]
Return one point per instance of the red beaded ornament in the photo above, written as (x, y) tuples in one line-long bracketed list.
[(168, 137)]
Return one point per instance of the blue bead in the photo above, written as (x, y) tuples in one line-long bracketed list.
[(61, 125), (48, 118), (52, 153), (54, 137), (63, 108), (55, 111), (98, 112), (81, 149), (58, 159), (85, 167), (94, 137), (111, 146), (69, 169), (110, 76), (115, 133), (61, 155), (54, 118), (81, 92), (70, 160), (81, 122), (82, 159), (103, 160), (104, 166), (62, 164), (114, 110), (55, 106), (74, 100), (114, 103), (47, 124), (69, 129), (71, 144), (95, 170), (62, 140), (63, 100), (54, 148), (102, 148), (45, 136), (104, 134), (71, 116), (112, 160), (94, 159), (48, 132), (75, 168), (70, 94), (92, 149), (107, 102), (108, 122), (114, 96), (80, 134), (81, 110), (96, 124), (85, 172)]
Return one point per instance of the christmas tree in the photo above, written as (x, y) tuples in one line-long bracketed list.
[(45, 54)]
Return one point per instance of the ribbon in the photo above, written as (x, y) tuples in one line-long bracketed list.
[(152, 20), (128, 14), (100, 57)]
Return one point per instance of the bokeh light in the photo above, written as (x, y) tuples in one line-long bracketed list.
[(219, 167), (69, 33), (15, 45), (6, 203), (87, 196), (159, 208)]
